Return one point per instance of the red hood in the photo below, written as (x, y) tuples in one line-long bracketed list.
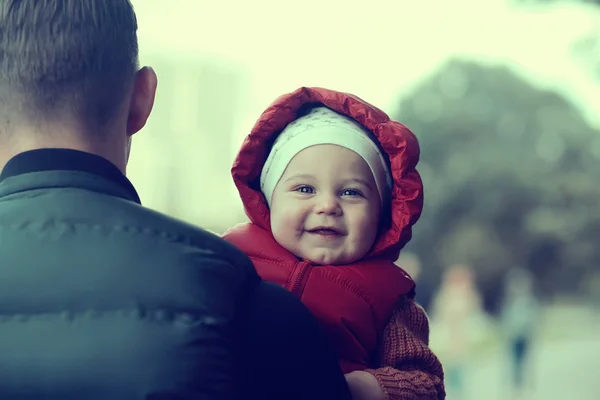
[(396, 140)]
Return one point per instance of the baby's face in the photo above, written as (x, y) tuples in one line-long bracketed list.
[(326, 206)]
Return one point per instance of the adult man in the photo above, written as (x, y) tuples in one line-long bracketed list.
[(100, 297)]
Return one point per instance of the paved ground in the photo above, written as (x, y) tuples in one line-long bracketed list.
[(564, 365)]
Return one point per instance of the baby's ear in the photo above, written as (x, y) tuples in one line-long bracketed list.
[(385, 219)]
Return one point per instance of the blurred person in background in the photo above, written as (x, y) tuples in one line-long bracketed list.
[(520, 316), (455, 307), (330, 186), (103, 299)]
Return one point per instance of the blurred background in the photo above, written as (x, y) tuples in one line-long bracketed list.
[(504, 96)]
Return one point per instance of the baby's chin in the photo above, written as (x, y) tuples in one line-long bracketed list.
[(326, 258)]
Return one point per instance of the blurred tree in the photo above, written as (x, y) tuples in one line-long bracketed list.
[(509, 175)]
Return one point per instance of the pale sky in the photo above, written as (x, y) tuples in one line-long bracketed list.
[(377, 49)]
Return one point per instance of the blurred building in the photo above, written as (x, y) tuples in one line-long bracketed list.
[(181, 160)]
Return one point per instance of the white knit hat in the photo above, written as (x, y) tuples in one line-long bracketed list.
[(323, 126)]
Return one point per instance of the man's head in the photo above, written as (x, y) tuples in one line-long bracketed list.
[(69, 76)]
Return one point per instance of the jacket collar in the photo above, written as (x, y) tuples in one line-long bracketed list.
[(45, 168)]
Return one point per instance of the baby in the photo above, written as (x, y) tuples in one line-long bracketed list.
[(329, 184)]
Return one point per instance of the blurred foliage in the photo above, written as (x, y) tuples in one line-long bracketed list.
[(587, 50), (510, 175)]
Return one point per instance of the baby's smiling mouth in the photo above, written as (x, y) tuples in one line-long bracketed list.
[(325, 231)]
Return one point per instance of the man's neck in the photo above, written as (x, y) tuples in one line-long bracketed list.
[(104, 148)]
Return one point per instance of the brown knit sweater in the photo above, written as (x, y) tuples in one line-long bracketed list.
[(409, 369)]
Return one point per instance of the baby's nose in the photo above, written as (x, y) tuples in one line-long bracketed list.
[(327, 204)]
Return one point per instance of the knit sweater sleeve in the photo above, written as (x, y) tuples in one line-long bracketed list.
[(409, 369)]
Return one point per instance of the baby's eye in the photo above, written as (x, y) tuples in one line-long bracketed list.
[(351, 192), (305, 189)]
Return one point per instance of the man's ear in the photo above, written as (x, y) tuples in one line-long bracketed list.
[(142, 99)]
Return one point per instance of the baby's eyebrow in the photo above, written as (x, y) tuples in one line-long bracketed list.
[(360, 181)]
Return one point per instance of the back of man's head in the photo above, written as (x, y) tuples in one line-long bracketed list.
[(65, 59)]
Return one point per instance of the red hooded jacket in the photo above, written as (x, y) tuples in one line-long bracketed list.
[(353, 302)]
